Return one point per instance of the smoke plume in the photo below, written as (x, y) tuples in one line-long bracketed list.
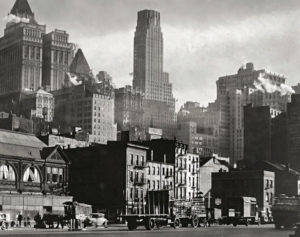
[(15, 19), (265, 85)]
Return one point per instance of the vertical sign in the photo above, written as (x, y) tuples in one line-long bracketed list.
[(298, 187)]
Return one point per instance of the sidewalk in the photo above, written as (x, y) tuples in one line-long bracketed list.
[(29, 229)]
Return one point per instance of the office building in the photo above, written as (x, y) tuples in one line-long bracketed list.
[(248, 86), (39, 104), (57, 55), (86, 102), (149, 77), (292, 133), (21, 51), (129, 112)]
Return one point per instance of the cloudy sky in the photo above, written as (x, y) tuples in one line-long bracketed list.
[(204, 39)]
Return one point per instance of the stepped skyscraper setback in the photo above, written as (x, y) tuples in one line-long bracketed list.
[(149, 77)]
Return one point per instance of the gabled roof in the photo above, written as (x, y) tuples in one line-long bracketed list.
[(48, 152), (204, 160), (21, 7), (79, 64)]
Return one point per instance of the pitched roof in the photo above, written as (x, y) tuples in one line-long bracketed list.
[(79, 64), (47, 152), (21, 7), (282, 167), (20, 139), (204, 160), (20, 145)]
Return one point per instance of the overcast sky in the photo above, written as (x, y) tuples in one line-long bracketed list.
[(204, 39)]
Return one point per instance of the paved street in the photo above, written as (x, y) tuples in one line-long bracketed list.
[(226, 231)]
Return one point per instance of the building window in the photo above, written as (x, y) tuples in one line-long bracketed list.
[(7, 173), (157, 170), (131, 193), (54, 175), (137, 160), (131, 159), (31, 175), (131, 176)]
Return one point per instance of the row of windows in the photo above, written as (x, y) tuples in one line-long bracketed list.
[(31, 52), (155, 185), (31, 174), (164, 171), (137, 160), (60, 57)]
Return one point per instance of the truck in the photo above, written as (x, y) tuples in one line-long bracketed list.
[(240, 211), (286, 211), (161, 210), (76, 214)]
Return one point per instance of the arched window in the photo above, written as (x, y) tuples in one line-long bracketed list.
[(7, 173), (32, 175)]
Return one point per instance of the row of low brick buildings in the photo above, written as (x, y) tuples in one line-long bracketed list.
[(115, 178)]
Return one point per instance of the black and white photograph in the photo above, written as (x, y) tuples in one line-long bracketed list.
[(173, 118)]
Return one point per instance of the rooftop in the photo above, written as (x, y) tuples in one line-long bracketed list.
[(79, 64)]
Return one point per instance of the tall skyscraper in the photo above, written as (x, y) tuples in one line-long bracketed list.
[(248, 86), (21, 50), (149, 77), (56, 59)]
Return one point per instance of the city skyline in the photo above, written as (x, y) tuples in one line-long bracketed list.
[(216, 44)]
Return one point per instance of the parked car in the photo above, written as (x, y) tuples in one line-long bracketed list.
[(98, 220)]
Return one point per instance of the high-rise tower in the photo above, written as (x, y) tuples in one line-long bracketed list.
[(149, 77), (57, 52), (21, 50), (148, 57)]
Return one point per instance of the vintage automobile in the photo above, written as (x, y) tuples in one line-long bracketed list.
[(98, 220)]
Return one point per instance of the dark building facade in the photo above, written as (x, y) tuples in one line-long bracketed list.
[(293, 135), (257, 134), (110, 177), (12, 122), (265, 136), (21, 51), (253, 183), (33, 177), (286, 179), (273, 139)]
